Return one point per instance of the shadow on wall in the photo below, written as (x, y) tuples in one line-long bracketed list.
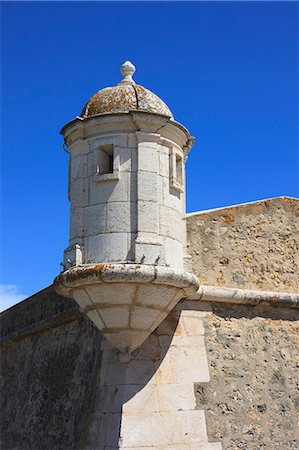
[(62, 385), (118, 383)]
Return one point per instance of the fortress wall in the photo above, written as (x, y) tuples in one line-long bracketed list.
[(252, 397), (251, 246), (64, 388), (49, 362)]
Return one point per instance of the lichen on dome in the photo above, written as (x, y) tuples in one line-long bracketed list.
[(126, 96)]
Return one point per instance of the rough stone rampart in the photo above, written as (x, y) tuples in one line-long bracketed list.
[(251, 401), (252, 246), (49, 362)]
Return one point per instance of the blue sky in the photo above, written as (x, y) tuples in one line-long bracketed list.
[(228, 71)]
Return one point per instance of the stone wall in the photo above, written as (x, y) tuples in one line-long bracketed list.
[(49, 362), (251, 401), (231, 366), (252, 246)]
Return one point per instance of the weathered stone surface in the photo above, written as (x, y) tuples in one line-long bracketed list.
[(124, 99), (149, 402), (252, 397), (29, 316), (63, 386), (48, 370), (122, 193), (126, 298), (252, 246), (126, 189)]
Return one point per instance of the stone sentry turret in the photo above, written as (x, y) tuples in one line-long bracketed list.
[(126, 264)]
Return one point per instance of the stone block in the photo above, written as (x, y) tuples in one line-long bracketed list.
[(147, 186), (109, 400), (190, 427), (101, 294), (94, 219), (132, 194), (162, 429), (78, 167), (189, 354), (73, 256), (76, 223), (125, 155), (164, 161), (160, 190), (127, 339), (171, 197), (150, 350), (82, 298), (96, 319), (88, 221), (108, 424), (156, 295), (110, 190), (113, 373), (132, 140), (141, 399), (115, 317), (79, 191), (143, 317), (174, 397), (148, 253), (148, 157), (173, 251), (90, 164), (205, 446), (121, 217), (188, 263), (188, 341), (147, 217), (141, 371), (171, 223), (112, 247), (191, 323), (134, 161), (81, 147), (161, 317)]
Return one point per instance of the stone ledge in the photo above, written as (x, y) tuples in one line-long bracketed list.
[(87, 274), (41, 311), (245, 296), (37, 328)]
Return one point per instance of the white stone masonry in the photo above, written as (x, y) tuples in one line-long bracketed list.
[(155, 391)]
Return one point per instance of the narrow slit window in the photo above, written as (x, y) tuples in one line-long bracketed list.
[(105, 159), (179, 169), (176, 170)]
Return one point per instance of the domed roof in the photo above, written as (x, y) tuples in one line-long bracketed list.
[(126, 96)]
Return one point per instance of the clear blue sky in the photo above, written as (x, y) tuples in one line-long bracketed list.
[(228, 71)]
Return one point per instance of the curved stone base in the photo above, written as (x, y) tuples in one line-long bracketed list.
[(126, 302)]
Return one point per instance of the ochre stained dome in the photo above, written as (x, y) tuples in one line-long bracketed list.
[(126, 96)]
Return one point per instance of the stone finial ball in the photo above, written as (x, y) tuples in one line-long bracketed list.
[(127, 69)]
